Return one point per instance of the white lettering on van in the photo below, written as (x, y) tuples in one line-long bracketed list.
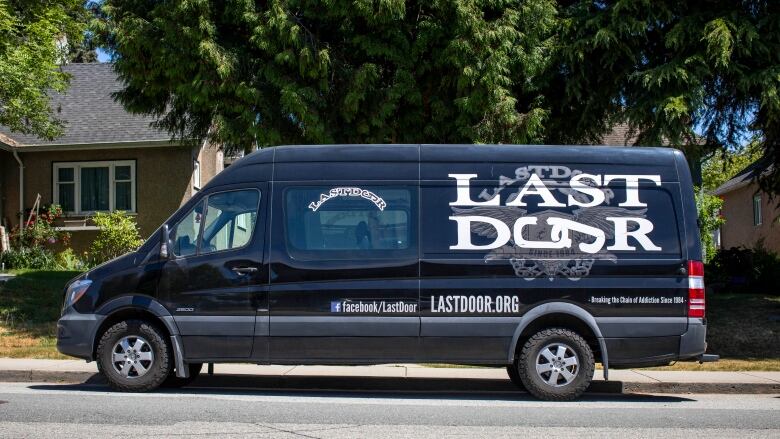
[(640, 234), (464, 195), (475, 304), (348, 192), (632, 187), (586, 227), (502, 233), (534, 186)]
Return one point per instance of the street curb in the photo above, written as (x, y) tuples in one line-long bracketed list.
[(390, 384)]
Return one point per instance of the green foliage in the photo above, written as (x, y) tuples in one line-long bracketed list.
[(67, 260), (32, 43), (725, 164), (245, 74), (750, 270), (666, 66), (28, 257), (300, 71), (708, 207), (118, 235), (40, 230)]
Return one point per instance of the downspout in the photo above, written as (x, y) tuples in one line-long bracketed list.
[(21, 188)]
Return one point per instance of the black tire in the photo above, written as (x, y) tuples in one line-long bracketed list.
[(567, 379), (514, 376), (153, 356), (174, 381)]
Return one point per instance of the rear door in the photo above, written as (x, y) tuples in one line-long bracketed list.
[(344, 281)]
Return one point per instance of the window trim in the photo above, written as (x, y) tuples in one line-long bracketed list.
[(757, 211), (111, 165), (196, 178), (205, 201)]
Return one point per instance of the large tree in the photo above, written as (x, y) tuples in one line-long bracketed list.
[(249, 72), (291, 71), (34, 40), (671, 69)]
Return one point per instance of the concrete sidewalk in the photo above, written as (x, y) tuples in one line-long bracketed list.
[(624, 380)]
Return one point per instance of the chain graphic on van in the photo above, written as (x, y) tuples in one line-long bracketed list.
[(348, 192), (551, 243)]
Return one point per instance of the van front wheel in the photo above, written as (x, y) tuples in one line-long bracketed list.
[(134, 356), (556, 364)]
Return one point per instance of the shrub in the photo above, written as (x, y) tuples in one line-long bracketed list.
[(67, 260), (40, 230), (118, 235), (754, 270), (28, 257), (708, 207)]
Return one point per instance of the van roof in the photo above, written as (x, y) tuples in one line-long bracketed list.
[(460, 153)]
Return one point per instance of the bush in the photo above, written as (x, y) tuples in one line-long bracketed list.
[(32, 257), (708, 207), (67, 260), (118, 235), (754, 270), (40, 230)]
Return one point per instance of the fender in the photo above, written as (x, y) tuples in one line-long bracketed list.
[(560, 308), (148, 304)]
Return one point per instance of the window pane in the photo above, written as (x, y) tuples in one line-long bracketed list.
[(350, 223), (184, 235), (241, 232), (94, 189), (123, 194), (66, 200), (64, 174), (221, 219), (122, 173)]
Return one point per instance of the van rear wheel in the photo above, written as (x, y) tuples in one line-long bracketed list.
[(134, 356), (556, 364)]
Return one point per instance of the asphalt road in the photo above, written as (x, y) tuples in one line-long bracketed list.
[(52, 410)]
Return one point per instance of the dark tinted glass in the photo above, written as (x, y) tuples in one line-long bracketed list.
[(349, 222)]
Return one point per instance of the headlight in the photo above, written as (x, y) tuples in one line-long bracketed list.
[(75, 291)]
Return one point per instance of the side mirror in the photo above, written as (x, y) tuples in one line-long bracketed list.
[(165, 241)]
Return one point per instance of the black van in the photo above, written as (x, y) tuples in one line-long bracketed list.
[(543, 259)]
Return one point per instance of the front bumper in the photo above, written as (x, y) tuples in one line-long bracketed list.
[(75, 334)]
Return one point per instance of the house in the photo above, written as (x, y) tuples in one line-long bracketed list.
[(107, 159), (751, 216)]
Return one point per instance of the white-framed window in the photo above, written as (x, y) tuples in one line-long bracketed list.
[(88, 187), (196, 175), (757, 210)]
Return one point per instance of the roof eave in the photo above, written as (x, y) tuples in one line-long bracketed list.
[(99, 145), (724, 190)]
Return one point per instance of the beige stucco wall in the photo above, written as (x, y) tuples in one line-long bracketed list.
[(164, 180), (739, 229)]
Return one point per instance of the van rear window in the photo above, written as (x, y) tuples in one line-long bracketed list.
[(349, 222)]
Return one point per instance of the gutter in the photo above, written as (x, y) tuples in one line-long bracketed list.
[(21, 188)]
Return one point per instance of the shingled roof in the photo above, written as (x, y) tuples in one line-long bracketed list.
[(745, 177), (90, 114)]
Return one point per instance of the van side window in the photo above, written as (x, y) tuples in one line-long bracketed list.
[(230, 220), (185, 234), (342, 222)]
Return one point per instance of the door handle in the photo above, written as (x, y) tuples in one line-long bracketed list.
[(244, 270)]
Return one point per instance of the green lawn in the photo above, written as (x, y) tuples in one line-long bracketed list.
[(741, 326), (29, 307)]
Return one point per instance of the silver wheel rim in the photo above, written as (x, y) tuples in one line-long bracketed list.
[(557, 364), (132, 357)]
